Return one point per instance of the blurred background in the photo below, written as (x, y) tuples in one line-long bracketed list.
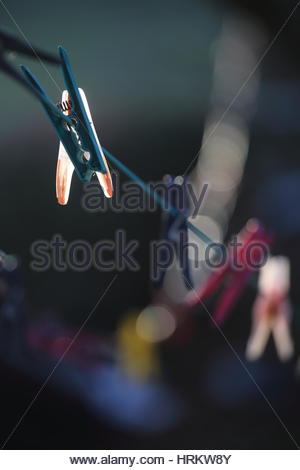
[(162, 78)]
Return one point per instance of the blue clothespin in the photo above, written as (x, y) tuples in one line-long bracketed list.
[(80, 148), (174, 228)]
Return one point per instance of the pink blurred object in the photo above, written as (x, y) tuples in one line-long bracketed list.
[(234, 274), (54, 339), (272, 311)]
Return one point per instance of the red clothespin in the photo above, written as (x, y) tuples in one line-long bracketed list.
[(242, 260)]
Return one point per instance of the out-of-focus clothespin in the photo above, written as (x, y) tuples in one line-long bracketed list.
[(233, 275), (12, 44), (272, 310), (138, 358), (79, 148), (174, 227)]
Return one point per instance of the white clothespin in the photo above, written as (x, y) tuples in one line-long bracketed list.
[(65, 167), (272, 310)]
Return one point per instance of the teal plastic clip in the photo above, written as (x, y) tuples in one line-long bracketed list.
[(75, 130)]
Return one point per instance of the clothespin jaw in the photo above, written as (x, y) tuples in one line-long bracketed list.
[(73, 124), (174, 227)]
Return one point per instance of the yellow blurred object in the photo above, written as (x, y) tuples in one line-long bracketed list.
[(138, 358)]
